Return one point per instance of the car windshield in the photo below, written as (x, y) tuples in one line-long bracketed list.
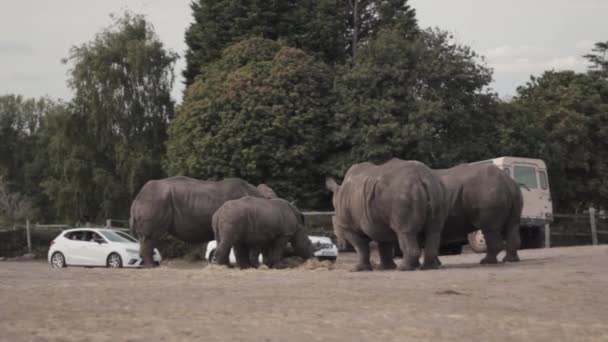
[(525, 175), (127, 236), (114, 237)]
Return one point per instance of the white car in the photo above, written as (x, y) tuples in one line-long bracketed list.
[(325, 249), (96, 247)]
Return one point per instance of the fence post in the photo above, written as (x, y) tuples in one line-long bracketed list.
[(29, 238), (547, 236), (593, 226), (108, 223)]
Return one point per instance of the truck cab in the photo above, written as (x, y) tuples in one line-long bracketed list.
[(531, 175)]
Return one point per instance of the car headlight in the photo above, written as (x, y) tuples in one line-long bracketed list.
[(132, 251)]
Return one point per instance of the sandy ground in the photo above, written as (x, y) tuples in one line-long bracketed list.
[(559, 294)]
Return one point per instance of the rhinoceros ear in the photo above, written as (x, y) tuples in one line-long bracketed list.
[(331, 184)]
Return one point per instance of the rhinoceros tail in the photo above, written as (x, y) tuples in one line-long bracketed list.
[(132, 225)]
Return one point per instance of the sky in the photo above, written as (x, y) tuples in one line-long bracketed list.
[(518, 38)]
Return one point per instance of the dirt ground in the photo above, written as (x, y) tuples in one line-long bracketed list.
[(559, 294)]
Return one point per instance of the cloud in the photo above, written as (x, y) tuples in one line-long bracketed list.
[(584, 45), (566, 63), (15, 48), (510, 52), (526, 59)]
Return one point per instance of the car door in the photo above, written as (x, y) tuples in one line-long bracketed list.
[(74, 248), (93, 252)]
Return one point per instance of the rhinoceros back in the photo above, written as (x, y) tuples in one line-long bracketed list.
[(375, 197), (185, 206)]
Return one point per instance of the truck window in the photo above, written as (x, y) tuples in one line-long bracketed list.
[(525, 175), (543, 180)]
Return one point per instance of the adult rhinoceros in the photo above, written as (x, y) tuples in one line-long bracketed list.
[(481, 196), (394, 201), (183, 207)]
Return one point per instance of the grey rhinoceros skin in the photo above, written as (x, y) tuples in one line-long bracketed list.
[(394, 201), (481, 196), (266, 191), (252, 224), (183, 207)]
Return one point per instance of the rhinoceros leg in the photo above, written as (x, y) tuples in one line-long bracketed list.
[(361, 244), (494, 244), (386, 251), (275, 253), (222, 252), (254, 256), (408, 242), (431, 252), (241, 252), (146, 251), (513, 241)]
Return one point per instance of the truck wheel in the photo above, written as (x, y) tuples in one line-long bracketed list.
[(532, 237), (477, 241)]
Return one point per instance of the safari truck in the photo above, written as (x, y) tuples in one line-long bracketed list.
[(531, 175)]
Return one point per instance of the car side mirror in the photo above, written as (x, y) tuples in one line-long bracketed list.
[(99, 241)]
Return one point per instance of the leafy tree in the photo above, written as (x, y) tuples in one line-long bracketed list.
[(563, 116), (326, 29), (419, 97), (599, 57), (23, 158), (312, 25), (260, 113), (14, 206), (110, 139), (365, 18)]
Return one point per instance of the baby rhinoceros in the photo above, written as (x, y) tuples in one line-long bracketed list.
[(252, 224)]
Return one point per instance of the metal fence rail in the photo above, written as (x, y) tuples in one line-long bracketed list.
[(574, 228)]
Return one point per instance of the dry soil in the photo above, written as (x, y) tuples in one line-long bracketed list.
[(558, 294)]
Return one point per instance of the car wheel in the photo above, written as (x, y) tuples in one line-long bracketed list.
[(58, 260), (211, 256), (114, 261), (477, 241)]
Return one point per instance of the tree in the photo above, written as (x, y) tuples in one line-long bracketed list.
[(368, 17), (567, 115), (312, 25), (23, 157), (261, 113), (14, 207), (419, 97), (329, 30), (599, 57), (110, 139)]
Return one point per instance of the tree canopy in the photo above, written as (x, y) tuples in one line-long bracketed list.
[(562, 117), (110, 138), (261, 113), (325, 29), (418, 97), (286, 93)]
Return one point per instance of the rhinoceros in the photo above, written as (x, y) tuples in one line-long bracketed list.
[(394, 201), (481, 196), (183, 207), (252, 224), (267, 191)]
